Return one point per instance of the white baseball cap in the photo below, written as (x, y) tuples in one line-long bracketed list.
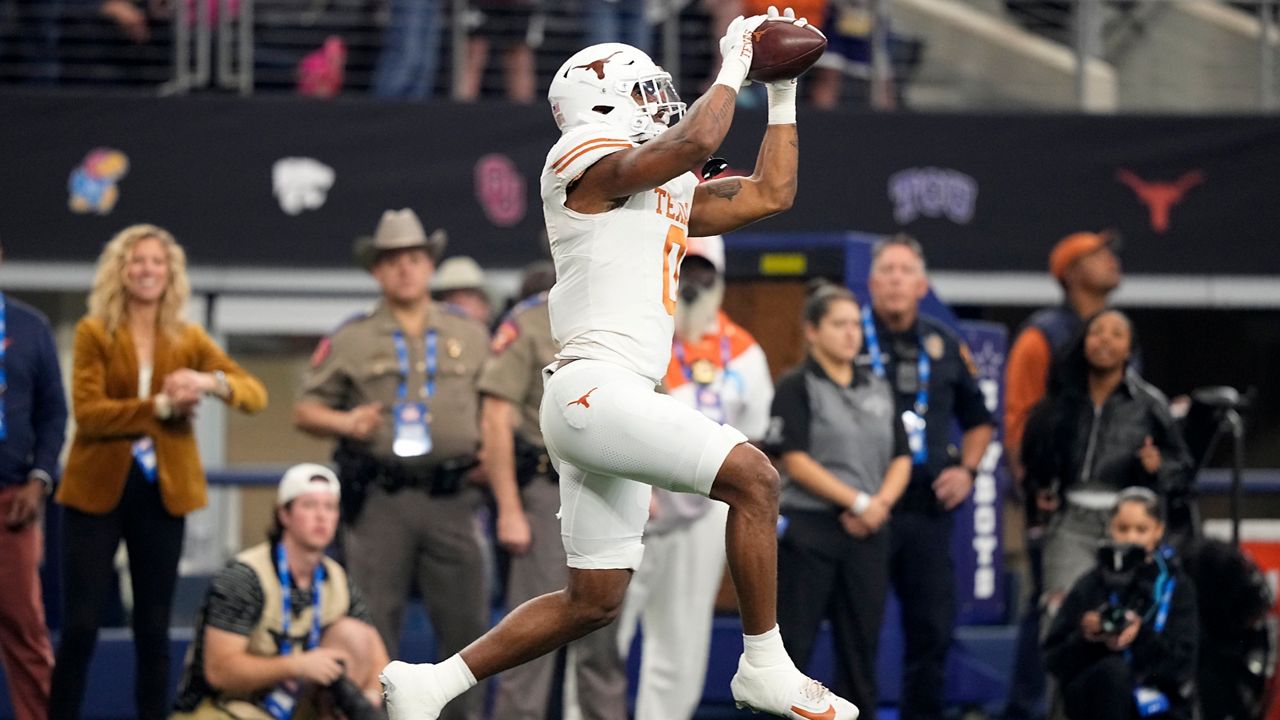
[(307, 478), (710, 247)]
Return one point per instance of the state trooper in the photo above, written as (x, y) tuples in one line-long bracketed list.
[(397, 387)]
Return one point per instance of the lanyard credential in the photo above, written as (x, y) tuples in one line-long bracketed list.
[(402, 355), (1165, 582), (914, 421), (1151, 701), (702, 374), (4, 374), (1158, 615), (313, 637), (687, 368), (282, 701)]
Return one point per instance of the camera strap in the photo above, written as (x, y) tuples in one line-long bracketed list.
[(1149, 700), (1165, 584), (283, 699), (412, 419), (286, 584)]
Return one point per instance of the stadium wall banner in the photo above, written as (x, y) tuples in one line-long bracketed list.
[(289, 182), (976, 540)]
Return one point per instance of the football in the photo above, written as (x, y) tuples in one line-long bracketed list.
[(783, 51)]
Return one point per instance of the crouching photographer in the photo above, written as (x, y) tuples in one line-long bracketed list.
[(283, 634), (1124, 643)]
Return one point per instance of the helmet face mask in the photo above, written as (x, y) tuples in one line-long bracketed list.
[(659, 100), (617, 85)]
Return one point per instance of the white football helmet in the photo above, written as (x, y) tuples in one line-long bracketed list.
[(615, 84)]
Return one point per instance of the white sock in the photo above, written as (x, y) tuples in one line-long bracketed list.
[(454, 677), (765, 650)]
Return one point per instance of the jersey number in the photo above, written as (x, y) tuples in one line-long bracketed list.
[(672, 254)]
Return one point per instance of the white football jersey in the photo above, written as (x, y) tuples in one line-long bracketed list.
[(617, 272)]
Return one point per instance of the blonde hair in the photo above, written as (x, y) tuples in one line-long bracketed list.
[(108, 299)]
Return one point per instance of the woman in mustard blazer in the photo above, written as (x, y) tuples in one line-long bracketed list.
[(139, 372)]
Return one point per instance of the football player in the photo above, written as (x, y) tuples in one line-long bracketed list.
[(621, 198)]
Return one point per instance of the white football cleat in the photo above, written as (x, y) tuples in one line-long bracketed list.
[(409, 691), (786, 692)]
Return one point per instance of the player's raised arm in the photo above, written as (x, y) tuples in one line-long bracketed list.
[(726, 204), (665, 153)]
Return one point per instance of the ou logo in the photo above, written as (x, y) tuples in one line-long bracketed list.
[(500, 189)]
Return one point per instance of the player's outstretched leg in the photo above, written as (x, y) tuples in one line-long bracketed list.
[(767, 680), (539, 626)]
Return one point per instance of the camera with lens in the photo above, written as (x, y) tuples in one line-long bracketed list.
[(1119, 564), (1114, 618), (351, 701)]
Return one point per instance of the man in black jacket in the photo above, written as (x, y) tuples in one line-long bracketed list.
[(935, 384)]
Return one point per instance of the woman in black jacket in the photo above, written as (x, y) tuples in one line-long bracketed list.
[(1123, 645), (1100, 430)]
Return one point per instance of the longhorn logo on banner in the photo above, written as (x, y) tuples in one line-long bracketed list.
[(1160, 197)]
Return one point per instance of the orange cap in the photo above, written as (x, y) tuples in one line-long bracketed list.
[(1073, 247)]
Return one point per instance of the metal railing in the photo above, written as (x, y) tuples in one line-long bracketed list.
[(1095, 55), (193, 52)]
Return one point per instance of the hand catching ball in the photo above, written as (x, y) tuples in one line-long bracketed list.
[(784, 48)]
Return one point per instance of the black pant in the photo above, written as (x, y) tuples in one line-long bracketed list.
[(923, 575), (1104, 691), (1028, 686), (825, 573), (154, 540)]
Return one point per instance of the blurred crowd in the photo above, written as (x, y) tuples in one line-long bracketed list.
[(503, 51)]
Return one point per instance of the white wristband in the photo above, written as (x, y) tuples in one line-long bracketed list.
[(860, 503), (733, 74), (782, 102)]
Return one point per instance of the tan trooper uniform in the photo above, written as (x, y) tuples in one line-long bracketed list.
[(357, 364), (411, 525), (520, 348)]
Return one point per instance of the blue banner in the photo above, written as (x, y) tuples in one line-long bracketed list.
[(976, 544)]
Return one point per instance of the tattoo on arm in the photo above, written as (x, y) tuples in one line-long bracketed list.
[(727, 190), (720, 111)]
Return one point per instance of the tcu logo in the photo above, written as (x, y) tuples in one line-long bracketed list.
[(933, 193)]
